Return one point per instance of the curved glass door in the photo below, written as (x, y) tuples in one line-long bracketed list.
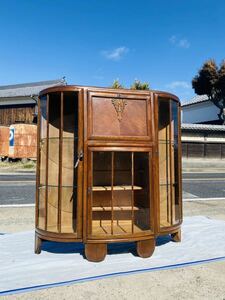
[(58, 153), (169, 181)]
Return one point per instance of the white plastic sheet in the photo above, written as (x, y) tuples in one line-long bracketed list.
[(203, 239)]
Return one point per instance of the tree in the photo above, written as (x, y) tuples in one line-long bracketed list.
[(117, 85), (210, 81), (138, 85)]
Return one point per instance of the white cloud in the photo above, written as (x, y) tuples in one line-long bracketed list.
[(116, 54), (182, 43), (173, 39), (178, 84)]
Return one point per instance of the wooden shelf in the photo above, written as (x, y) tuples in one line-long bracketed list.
[(115, 188), (119, 227), (115, 208)]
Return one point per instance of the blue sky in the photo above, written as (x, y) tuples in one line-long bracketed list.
[(94, 42)]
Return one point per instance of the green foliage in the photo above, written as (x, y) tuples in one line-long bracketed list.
[(205, 82), (117, 85), (221, 79), (138, 85), (210, 81)]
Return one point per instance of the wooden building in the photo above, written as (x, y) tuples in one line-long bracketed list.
[(199, 110), (203, 136), (18, 103), (203, 141)]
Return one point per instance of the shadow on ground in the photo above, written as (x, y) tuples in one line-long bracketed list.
[(113, 248)]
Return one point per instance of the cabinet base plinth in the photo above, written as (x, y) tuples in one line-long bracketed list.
[(95, 252), (146, 248), (176, 236), (37, 245)]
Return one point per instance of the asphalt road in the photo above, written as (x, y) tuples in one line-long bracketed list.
[(203, 185), (20, 188), (17, 188)]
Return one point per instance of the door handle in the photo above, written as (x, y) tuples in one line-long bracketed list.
[(79, 158)]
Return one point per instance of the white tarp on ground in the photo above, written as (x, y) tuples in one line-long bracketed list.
[(202, 239)]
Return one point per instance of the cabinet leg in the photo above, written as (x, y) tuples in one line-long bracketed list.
[(37, 245), (146, 248), (176, 236), (95, 252)]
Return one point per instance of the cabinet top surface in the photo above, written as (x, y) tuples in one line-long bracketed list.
[(70, 88)]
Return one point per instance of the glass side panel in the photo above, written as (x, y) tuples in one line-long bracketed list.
[(175, 177), (43, 117), (174, 121), (69, 157), (164, 120), (43, 135), (120, 193), (53, 142), (53, 161), (60, 191), (42, 157), (52, 209), (165, 162), (70, 112), (54, 115), (68, 209), (165, 206), (69, 150), (70, 139), (168, 162), (43, 152), (41, 208)]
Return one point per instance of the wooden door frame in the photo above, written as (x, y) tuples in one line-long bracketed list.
[(80, 171), (125, 237)]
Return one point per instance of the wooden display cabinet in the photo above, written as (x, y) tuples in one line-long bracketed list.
[(108, 168)]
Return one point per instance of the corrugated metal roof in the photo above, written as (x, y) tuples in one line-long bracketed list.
[(27, 89), (196, 99), (206, 127)]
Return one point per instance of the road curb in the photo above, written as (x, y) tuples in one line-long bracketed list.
[(15, 174), (203, 199), (10, 171), (17, 205)]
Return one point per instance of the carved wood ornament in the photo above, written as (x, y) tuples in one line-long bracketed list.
[(119, 105)]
